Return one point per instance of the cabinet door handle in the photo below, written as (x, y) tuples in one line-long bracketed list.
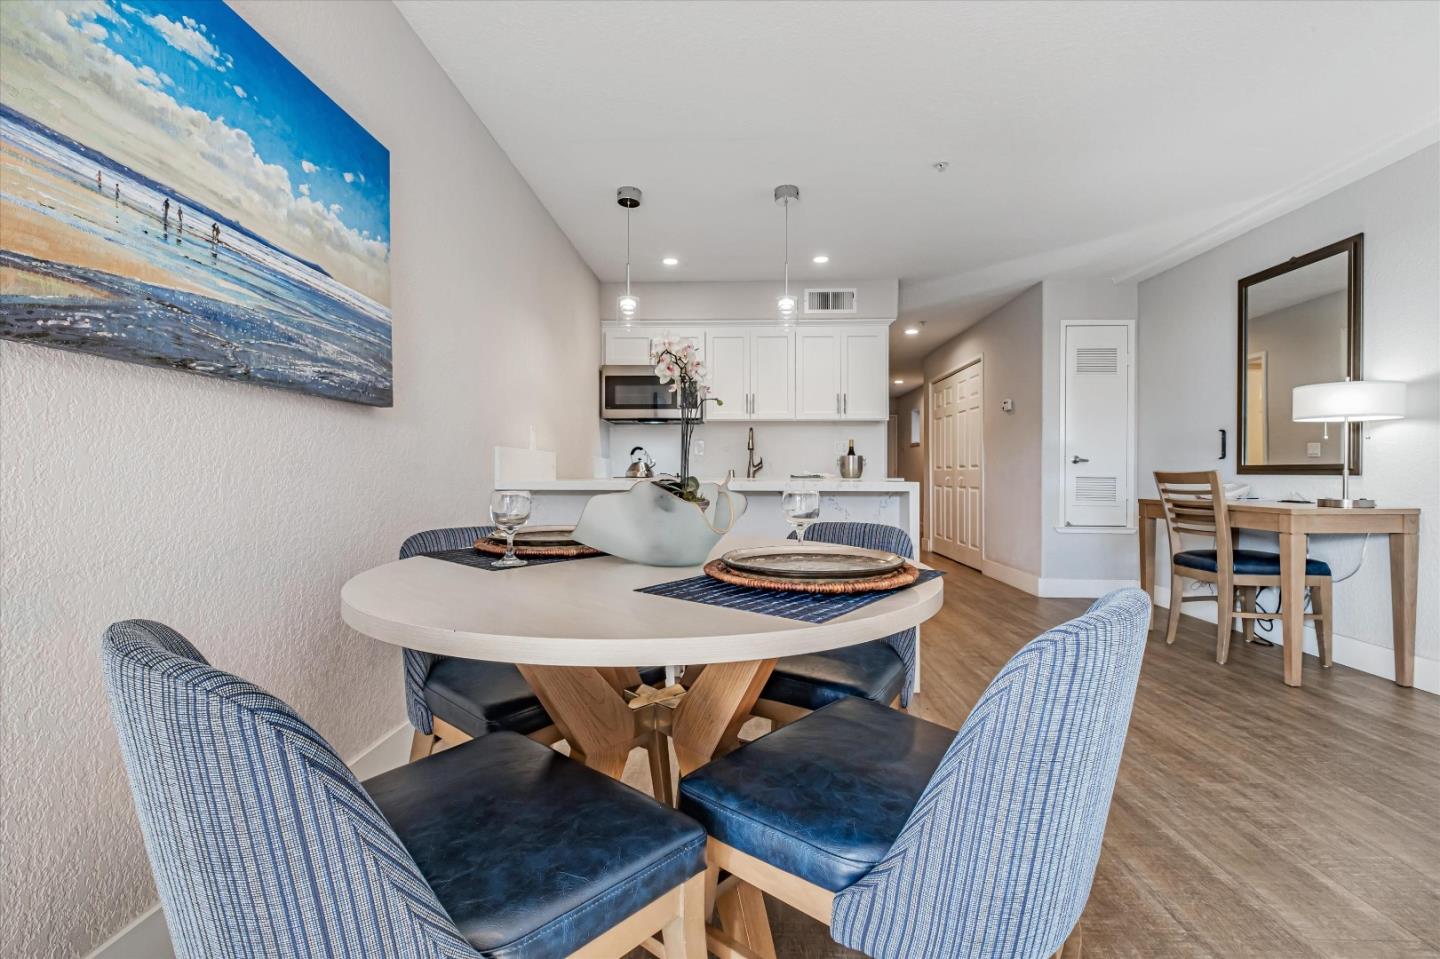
[(837, 404), (845, 408)]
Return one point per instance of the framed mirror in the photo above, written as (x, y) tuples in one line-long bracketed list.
[(1299, 324)]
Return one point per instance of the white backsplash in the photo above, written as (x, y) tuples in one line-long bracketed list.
[(786, 447)]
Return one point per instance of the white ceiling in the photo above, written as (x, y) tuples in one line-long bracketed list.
[(1083, 138)]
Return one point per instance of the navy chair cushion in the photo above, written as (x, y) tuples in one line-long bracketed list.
[(479, 697), (531, 853), (824, 797), (1248, 562), (870, 670)]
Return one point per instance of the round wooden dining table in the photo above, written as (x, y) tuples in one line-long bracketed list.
[(579, 632)]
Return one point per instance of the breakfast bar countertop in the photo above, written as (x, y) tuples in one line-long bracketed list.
[(827, 484)]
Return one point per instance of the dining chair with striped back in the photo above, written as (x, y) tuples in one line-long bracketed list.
[(263, 843), (1195, 506)]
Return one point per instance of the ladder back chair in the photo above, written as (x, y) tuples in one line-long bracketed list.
[(1195, 506)]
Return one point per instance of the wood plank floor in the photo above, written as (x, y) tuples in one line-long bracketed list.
[(1250, 819)]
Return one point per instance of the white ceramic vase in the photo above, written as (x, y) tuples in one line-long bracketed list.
[(647, 524)]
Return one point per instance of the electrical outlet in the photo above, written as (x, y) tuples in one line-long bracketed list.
[(1007, 406), (1312, 450)]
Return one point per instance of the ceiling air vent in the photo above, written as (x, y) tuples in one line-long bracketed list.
[(827, 302)]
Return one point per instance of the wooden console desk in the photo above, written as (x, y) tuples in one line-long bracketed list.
[(1295, 522)]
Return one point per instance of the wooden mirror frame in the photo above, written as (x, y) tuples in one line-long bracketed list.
[(1355, 246)]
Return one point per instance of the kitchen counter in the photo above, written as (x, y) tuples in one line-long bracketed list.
[(829, 484), (893, 502)]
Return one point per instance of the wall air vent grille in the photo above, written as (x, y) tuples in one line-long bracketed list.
[(1095, 490), (829, 301), (1102, 360)]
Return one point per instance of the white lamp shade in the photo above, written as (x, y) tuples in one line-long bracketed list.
[(1356, 400)]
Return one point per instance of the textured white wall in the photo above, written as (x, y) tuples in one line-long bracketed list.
[(1187, 384), (235, 513)]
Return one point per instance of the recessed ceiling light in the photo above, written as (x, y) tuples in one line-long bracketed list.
[(912, 331), (822, 258), (899, 382), (670, 261)]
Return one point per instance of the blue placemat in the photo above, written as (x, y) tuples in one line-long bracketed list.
[(806, 607), (470, 556)]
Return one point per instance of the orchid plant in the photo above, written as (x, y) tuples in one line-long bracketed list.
[(678, 365)]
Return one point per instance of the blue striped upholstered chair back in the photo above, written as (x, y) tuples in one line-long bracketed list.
[(262, 842), (877, 536), (997, 857), (417, 664)]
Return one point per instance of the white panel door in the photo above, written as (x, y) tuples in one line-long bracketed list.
[(1097, 425), (957, 520), (817, 374), (772, 374), (866, 390), (729, 363), (627, 348)]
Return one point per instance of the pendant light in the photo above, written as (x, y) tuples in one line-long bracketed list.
[(629, 198), (784, 195)]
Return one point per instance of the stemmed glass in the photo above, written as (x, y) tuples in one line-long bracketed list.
[(509, 510), (801, 505)]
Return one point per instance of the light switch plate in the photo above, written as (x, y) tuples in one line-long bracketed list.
[(1312, 450)]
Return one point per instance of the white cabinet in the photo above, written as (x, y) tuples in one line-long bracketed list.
[(865, 393), (752, 371), (772, 374), (842, 373), (634, 347), (817, 374), (729, 364), (767, 372)]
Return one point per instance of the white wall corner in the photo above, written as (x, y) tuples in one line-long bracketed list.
[(149, 938), (1056, 588), (1018, 578)]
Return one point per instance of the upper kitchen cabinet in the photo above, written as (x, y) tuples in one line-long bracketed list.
[(635, 346), (769, 372), (841, 373), (752, 369)]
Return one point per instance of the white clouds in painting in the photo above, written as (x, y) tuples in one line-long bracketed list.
[(56, 67), (304, 189), (187, 39), (239, 91), (349, 177), (308, 167)]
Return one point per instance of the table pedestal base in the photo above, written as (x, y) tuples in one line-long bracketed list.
[(588, 705)]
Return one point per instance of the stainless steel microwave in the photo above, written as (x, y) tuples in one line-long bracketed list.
[(634, 394)]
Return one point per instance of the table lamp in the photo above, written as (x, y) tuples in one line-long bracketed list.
[(1350, 401)]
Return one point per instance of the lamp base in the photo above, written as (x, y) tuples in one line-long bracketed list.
[(1346, 503)]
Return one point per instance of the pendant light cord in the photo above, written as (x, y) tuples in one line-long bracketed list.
[(787, 246), (627, 251)]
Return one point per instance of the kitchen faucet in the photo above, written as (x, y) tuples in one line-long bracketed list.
[(752, 466)]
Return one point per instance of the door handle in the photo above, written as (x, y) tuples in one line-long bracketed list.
[(1078, 459), (845, 407)]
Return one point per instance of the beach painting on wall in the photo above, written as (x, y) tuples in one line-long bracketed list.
[(174, 192)]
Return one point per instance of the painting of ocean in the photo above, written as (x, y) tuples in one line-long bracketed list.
[(174, 192)]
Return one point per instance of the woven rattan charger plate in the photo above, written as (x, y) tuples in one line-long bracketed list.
[(902, 577), (537, 552)]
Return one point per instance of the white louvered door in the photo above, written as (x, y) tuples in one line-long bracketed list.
[(957, 437), (1097, 425)]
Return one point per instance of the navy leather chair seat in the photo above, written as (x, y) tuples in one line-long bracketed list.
[(531, 853), (1248, 562), (824, 797), (870, 670), (479, 697)]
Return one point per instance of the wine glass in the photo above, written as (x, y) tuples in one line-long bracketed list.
[(801, 505), (509, 509)]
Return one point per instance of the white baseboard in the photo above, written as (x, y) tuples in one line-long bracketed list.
[(1345, 650), (148, 938), (1054, 588), (1021, 580)]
